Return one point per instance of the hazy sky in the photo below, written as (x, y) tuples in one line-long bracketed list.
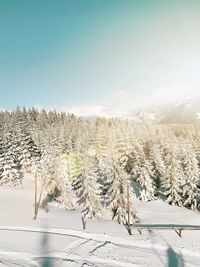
[(93, 53)]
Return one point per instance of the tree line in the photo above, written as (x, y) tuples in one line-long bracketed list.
[(100, 163)]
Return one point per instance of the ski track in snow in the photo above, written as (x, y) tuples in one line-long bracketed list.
[(54, 240), (96, 250)]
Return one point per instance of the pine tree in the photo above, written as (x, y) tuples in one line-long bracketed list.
[(10, 172), (125, 158), (87, 190), (143, 173), (137, 155), (55, 181), (157, 162), (146, 182), (1, 156), (191, 178), (119, 190), (26, 150), (173, 176)]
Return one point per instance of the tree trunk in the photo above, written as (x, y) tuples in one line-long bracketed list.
[(35, 204), (83, 222), (38, 202), (128, 209)]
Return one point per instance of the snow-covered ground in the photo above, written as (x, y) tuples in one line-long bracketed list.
[(56, 238)]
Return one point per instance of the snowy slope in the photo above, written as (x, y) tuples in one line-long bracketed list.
[(57, 238)]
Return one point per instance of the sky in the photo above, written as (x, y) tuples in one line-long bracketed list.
[(97, 56)]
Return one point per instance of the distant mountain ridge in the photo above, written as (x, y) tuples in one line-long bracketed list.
[(186, 110)]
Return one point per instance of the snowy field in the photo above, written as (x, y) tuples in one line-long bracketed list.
[(56, 238)]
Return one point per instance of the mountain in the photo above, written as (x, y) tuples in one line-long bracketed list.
[(186, 110)]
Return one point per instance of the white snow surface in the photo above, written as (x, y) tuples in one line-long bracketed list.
[(56, 238)]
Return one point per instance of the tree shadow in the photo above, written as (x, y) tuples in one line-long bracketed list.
[(150, 232), (46, 260), (136, 188), (174, 259)]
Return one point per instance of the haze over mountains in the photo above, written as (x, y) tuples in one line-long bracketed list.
[(180, 112), (164, 105), (172, 107)]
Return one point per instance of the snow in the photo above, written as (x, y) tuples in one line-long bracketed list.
[(198, 115), (56, 238)]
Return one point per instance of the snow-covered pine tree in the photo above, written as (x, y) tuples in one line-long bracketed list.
[(124, 151), (118, 194), (173, 176), (64, 190), (10, 172), (104, 178), (145, 179), (87, 190), (53, 175), (119, 190), (191, 192), (143, 173), (1, 155), (27, 151), (157, 162), (136, 155)]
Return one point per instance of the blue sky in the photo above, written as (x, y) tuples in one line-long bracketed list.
[(74, 53)]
